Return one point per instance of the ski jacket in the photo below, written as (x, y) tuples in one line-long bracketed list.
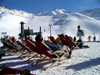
[(79, 34)]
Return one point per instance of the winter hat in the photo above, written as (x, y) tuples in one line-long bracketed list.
[(78, 26), (38, 38)]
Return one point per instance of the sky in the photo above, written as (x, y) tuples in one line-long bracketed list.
[(34, 6)]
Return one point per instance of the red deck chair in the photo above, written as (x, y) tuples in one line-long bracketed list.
[(11, 47), (4, 70), (6, 44), (25, 48), (52, 39), (70, 42), (9, 50), (62, 39), (31, 45), (41, 48), (8, 70)]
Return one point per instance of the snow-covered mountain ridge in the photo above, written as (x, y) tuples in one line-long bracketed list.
[(5, 10), (10, 23), (90, 12), (95, 13), (53, 12)]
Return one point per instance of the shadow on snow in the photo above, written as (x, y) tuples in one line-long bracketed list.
[(86, 64)]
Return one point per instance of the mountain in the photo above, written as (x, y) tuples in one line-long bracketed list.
[(10, 22), (95, 13), (53, 12), (4, 10)]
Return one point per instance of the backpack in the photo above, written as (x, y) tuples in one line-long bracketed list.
[(82, 32)]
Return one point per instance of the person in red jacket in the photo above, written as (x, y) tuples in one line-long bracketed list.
[(14, 40)]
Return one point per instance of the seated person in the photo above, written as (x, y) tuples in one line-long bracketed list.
[(39, 38), (15, 45), (14, 40), (30, 38), (58, 41)]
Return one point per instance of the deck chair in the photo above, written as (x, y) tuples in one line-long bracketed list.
[(31, 45), (8, 48), (11, 47), (41, 48), (29, 51), (4, 70), (70, 42), (52, 39), (24, 47), (7, 70), (62, 39), (6, 44)]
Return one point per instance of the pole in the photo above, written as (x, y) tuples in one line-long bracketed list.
[(40, 30), (50, 28), (22, 30), (28, 32), (61, 22)]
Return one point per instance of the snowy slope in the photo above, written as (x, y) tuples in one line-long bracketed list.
[(10, 23)]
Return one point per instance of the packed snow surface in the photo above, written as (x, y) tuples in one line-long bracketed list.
[(84, 61)]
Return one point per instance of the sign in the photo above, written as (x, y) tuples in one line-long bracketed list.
[(4, 32)]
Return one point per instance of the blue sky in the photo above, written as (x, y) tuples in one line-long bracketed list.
[(34, 6)]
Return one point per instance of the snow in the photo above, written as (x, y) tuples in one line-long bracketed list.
[(84, 61)]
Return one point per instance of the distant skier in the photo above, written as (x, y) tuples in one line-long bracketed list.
[(89, 38), (94, 38)]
